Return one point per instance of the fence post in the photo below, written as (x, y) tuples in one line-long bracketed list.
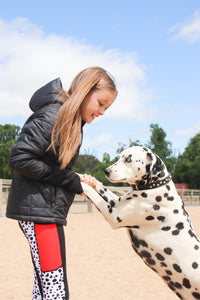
[(1, 198), (89, 206), (192, 196)]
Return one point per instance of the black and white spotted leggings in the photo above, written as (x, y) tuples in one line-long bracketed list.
[(47, 246)]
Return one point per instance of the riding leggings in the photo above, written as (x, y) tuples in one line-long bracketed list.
[(47, 246)]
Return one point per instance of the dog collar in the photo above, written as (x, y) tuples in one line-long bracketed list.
[(151, 185)]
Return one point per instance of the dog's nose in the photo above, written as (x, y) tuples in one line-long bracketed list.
[(107, 172)]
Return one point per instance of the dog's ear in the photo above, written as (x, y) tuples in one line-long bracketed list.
[(151, 159), (156, 164)]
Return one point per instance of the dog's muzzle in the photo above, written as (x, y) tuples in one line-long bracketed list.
[(107, 172)]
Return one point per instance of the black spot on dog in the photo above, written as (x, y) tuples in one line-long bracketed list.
[(168, 187), (175, 232), (105, 198), (134, 239), (179, 296), (112, 203), (171, 286), (190, 233), (166, 228), (143, 243), (118, 219), (165, 195), (163, 264), (170, 198), (158, 198), (195, 265), (168, 250), (178, 285), (180, 225), (161, 218), (101, 192), (175, 211), (196, 247), (156, 207), (160, 257), (168, 272), (166, 278), (196, 295), (186, 283), (144, 195), (145, 254), (149, 218), (151, 261), (177, 268)]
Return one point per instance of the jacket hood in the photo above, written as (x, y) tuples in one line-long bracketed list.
[(49, 93)]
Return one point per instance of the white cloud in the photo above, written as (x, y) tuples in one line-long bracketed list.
[(97, 141), (189, 132), (29, 59), (188, 31)]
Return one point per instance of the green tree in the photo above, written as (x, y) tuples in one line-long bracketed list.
[(8, 136), (90, 165), (157, 142), (161, 146), (85, 164), (188, 164), (98, 171)]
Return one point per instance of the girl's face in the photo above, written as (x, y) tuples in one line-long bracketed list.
[(95, 104)]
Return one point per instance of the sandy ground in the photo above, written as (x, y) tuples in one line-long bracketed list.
[(100, 262)]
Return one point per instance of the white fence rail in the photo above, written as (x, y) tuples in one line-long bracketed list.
[(4, 189), (190, 197)]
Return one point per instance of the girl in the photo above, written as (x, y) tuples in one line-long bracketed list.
[(44, 185)]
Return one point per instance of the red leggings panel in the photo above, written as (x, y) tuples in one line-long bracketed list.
[(48, 246)]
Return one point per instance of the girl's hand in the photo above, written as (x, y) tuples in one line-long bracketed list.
[(89, 180)]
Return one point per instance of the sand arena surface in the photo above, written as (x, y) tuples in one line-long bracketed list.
[(101, 264)]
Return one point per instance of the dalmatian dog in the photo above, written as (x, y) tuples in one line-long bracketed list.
[(158, 225)]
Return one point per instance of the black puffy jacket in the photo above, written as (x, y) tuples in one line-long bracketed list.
[(41, 192)]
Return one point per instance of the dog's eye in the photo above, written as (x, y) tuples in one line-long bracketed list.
[(128, 159)]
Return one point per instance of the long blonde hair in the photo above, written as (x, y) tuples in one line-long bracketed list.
[(66, 133)]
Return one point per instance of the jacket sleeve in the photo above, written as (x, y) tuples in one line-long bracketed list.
[(27, 154)]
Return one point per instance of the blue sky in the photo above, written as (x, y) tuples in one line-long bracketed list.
[(151, 48)]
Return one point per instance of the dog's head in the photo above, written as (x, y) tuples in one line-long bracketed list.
[(136, 165)]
